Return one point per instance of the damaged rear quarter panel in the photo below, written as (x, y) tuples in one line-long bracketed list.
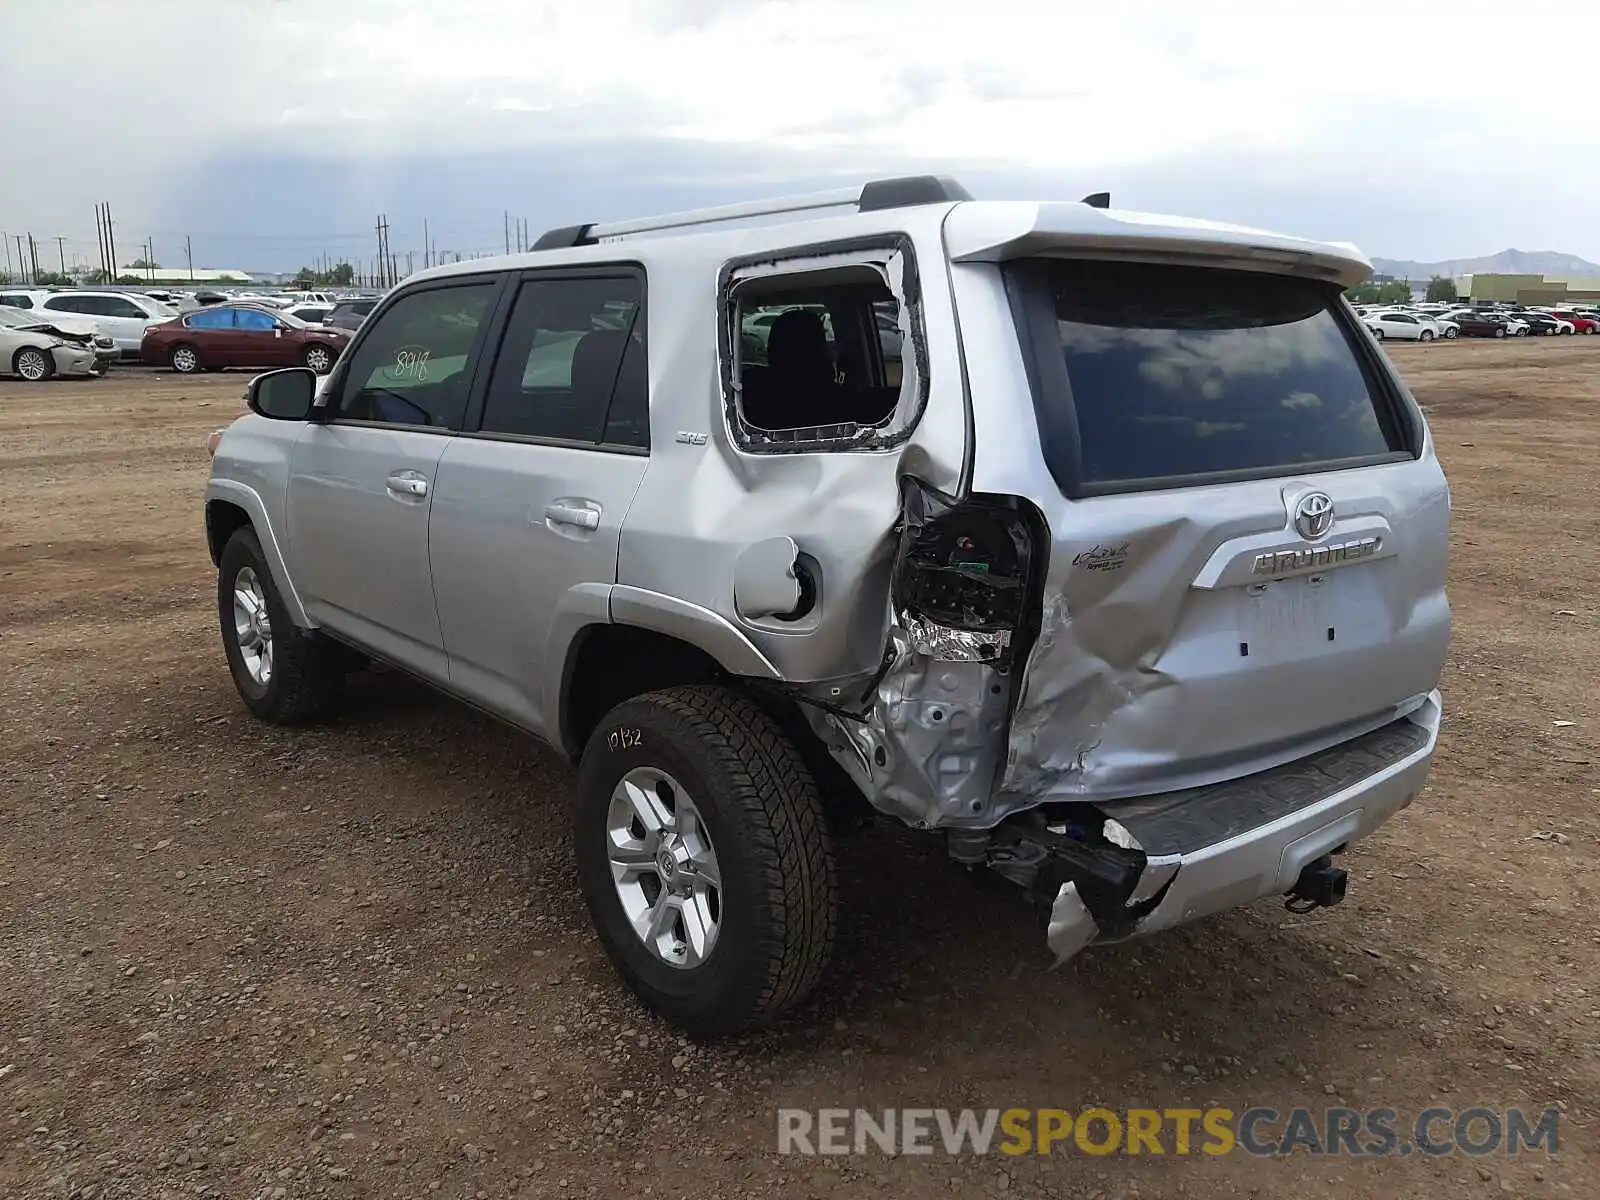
[(703, 504)]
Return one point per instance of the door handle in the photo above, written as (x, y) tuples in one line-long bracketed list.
[(585, 514), (407, 483)]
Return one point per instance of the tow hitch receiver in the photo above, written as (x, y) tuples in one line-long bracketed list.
[(1321, 885)]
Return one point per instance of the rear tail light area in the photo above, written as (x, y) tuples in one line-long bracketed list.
[(968, 575)]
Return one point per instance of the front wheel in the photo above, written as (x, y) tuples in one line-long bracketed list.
[(283, 673), (1378, 333), (1499, 333), (703, 857), (33, 364), (1427, 335), (319, 358)]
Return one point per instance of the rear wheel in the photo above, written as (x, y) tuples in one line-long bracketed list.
[(1427, 335), (1378, 333), (185, 360), (319, 358), (33, 364), (283, 673), (703, 856)]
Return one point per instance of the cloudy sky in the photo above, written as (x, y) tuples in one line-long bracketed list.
[(274, 131)]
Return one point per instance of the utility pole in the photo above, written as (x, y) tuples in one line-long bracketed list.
[(508, 231), (427, 254), (33, 257), (61, 252), (6, 241), (22, 263), (100, 237), (111, 242), (188, 253)]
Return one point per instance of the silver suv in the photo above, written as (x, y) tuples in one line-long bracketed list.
[(1106, 546)]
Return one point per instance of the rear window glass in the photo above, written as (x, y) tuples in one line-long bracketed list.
[(1183, 371)]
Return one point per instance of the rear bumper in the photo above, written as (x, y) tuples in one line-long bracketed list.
[(1216, 848)]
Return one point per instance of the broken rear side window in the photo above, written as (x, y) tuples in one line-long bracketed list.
[(1175, 372), (820, 356)]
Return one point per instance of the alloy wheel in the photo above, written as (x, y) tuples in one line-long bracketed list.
[(664, 867), (32, 365), (252, 625)]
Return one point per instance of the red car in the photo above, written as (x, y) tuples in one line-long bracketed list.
[(1580, 323), (241, 335)]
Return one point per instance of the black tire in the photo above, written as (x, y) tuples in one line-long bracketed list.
[(1499, 333), (318, 353), (26, 364), (184, 359), (761, 810), (1427, 335), (307, 675), (1378, 333)]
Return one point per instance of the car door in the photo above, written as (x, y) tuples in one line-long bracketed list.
[(209, 330), (259, 340), (361, 485), (531, 499), (125, 319)]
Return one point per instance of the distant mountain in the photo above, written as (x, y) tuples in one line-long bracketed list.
[(1507, 262)]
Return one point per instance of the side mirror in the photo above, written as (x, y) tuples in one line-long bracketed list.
[(284, 395)]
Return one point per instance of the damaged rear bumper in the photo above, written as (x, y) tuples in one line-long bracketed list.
[(1214, 848)]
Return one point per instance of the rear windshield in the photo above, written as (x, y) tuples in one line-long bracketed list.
[(1175, 372)]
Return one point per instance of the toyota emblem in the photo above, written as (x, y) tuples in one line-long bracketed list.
[(1313, 515)]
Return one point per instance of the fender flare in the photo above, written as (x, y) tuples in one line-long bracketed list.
[(247, 499)]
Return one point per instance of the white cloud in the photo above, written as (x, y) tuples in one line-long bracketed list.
[(122, 98)]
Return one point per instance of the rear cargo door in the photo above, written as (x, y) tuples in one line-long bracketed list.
[(1247, 533)]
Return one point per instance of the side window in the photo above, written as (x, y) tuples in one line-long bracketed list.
[(211, 318), (571, 364), (819, 356), (250, 318), (117, 306), (89, 305), (16, 301), (415, 365)]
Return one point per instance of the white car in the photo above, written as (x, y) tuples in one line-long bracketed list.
[(1410, 327), (34, 347), (122, 316), (1447, 328)]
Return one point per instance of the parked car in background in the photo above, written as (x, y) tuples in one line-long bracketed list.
[(1580, 322), (1472, 323), (122, 316), (1538, 323), (1447, 328), (311, 314), (242, 335), (1406, 326), (35, 347), (348, 314)]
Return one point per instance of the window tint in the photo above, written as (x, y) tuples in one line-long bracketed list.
[(414, 365), (89, 305), (16, 301), (250, 318), (1176, 371), (211, 318), (823, 356), (562, 359), (119, 306)]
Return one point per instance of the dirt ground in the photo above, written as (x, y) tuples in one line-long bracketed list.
[(238, 961)]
